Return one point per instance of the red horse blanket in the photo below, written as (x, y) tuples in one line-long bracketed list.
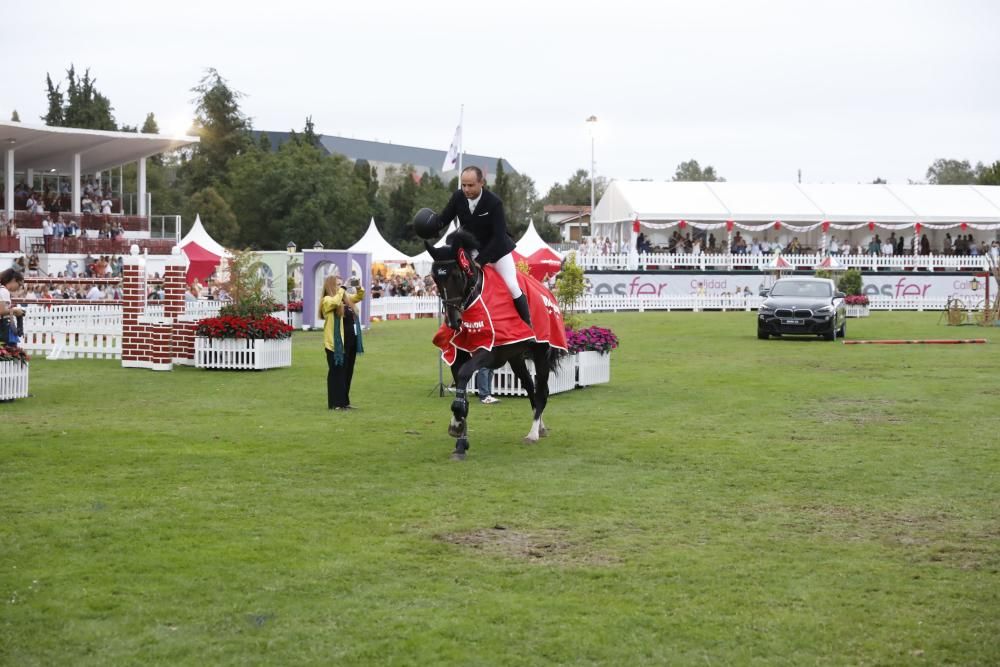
[(492, 320)]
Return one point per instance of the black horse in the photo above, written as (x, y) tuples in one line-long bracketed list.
[(459, 282)]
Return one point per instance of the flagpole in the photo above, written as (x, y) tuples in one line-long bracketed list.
[(461, 142)]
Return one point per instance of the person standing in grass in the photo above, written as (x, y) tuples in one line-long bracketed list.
[(341, 339)]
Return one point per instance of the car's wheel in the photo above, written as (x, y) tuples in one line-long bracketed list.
[(762, 335), (842, 332), (832, 333)]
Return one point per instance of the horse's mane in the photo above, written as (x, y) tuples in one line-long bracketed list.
[(462, 239)]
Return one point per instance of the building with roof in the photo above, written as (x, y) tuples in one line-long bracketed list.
[(383, 155), (573, 221)]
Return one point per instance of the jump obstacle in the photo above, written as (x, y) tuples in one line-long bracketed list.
[(931, 341)]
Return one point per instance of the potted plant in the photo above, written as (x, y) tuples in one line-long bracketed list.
[(13, 372), (295, 310), (244, 336), (591, 346)]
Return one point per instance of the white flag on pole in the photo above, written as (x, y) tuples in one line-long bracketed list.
[(451, 159)]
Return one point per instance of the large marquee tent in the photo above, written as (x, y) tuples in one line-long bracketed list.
[(381, 250), (203, 252), (656, 209)]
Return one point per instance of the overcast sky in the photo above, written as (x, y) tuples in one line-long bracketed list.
[(845, 91)]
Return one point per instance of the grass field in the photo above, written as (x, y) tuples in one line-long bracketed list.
[(723, 501)]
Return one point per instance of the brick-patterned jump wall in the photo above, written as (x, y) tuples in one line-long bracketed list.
[(155, 343)]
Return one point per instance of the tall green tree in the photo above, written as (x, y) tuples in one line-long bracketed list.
[(216, 216), (297, 194), (223, 130), (692, 171), (951, 172), (82, 106), (150, 126), (576, 191), (14, 117), (989, 175)]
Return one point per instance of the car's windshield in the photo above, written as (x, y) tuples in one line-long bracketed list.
[(804, 289)]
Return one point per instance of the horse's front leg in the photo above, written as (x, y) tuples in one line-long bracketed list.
[(459, 425)]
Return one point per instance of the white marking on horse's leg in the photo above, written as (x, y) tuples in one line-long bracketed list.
[(532, 436)]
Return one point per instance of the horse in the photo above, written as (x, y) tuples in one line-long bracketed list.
[(460, 283)]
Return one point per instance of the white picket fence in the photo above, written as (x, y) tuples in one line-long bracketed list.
[(242, 353), (13, 380), (575, 370), (730, 262)]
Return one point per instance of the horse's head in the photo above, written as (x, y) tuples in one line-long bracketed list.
[(455, 273)]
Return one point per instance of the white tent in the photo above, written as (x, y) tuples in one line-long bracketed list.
[(380, 249), (531, 242), (422, 262), (200, 237)]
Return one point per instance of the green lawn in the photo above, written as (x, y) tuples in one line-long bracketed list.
[(723, 501)]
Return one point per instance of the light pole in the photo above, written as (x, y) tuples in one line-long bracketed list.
[(591, 122), (288, 281)]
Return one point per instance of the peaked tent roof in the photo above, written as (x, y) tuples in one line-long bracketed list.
[(792, 202), (779, 262), (531, 242), (380, 249), (200, 237)]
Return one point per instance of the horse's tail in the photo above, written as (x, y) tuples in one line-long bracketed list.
[(554, 357)]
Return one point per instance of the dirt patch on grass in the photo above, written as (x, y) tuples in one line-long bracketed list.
[(933, 536), (856, 412), (547, 546)]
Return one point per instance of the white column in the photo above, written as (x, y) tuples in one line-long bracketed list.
[(30, 179), (75, 207), (9, 183), (142, 186)]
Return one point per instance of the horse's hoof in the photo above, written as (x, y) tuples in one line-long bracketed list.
[(456, 429), (529, 440), (543, 432), (457, 456)]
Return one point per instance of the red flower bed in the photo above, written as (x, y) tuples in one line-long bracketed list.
[(856, 300), (13, 353), (231, 326), (295, 306), (596, 339)]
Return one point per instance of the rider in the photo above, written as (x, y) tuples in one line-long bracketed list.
[(480, 212)]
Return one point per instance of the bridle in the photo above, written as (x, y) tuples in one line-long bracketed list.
[(462, 300)]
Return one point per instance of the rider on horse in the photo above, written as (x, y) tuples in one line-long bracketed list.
[(479, 212)]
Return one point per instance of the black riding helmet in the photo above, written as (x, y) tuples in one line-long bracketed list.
[(426, 223)]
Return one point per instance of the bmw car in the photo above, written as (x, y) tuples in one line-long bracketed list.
[(803, 307)]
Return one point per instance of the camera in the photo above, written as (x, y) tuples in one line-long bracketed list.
[(354, 281)]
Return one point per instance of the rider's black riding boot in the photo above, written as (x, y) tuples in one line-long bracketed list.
[(521, 303)]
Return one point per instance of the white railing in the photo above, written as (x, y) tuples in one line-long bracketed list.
[(242, 353), (729, 262), (13, 380), (410, 306), (575, 370)]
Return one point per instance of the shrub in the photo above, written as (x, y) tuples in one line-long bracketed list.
[(850, 282), (596, 339)]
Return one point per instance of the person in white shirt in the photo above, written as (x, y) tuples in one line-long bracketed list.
[(887, 248), (95, 293), (834, 246), (106, 206)]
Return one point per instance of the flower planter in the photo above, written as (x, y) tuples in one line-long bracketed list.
[(296, 320), (593, 368), (13, 380), (857, 311), (242, 353)]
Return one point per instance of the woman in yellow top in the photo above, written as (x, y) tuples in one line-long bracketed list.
[(341, 338)]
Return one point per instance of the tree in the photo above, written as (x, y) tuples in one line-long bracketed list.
[(297, 194), (223, 129), (576, 192), (216, 216), (570, 286), (951, 172), (14, 117), (54, 116), (692, 171), (150, 126), (988, 175), (879, 181)]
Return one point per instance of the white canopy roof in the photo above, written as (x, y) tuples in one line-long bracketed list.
[(45, 148), (200, 237), (650, 201), (531, 242), (380, 249)]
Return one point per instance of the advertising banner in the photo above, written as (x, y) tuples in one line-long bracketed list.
[(893, 285)]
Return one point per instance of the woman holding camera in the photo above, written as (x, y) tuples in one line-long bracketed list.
[(341, 338), (11, 280)]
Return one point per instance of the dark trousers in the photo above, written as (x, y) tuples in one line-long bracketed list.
[(338, 378)]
